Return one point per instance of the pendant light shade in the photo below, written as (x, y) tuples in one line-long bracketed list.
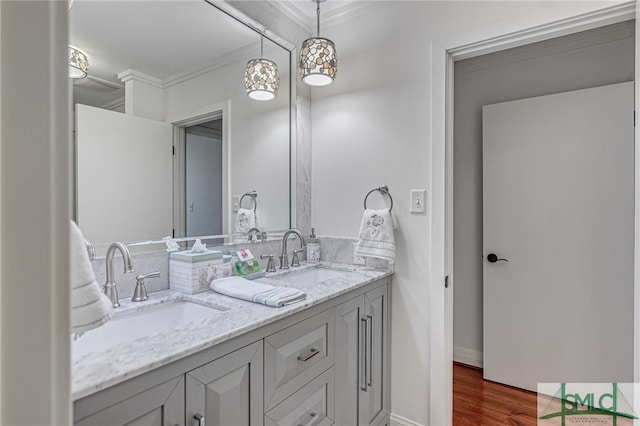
[(261, 78), (318, 58), (78, 63)]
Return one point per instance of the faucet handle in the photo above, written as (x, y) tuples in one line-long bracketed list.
[(140, 293), (295, 261), (271, 265)]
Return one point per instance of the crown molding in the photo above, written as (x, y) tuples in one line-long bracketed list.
[(245, 53), (129, 75)]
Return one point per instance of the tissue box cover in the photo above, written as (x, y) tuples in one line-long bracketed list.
[(188, 256), (190, 273)]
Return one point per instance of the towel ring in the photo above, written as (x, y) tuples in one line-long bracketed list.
[(384, 190), (253, 195)]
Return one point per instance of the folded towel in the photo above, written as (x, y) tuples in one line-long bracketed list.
[(242, 288), (245, 220), (376, 235), (90, 308)]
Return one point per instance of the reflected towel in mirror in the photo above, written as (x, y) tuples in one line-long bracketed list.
[(245, 220)]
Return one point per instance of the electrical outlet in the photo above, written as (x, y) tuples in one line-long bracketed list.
[(357, 260), (418, 200), (236, 203)]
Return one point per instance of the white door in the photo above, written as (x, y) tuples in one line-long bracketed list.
[(558, 194), (124, 172)]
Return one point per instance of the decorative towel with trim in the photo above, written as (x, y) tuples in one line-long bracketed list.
[(90, 307), (245, 220), (265, 294), (376, 235)]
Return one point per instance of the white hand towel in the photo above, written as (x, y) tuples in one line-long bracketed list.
[(376, 235), (245, 220), (90, 308), (242, 288)]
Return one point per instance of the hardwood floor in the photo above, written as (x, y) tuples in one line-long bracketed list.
[(477, 402)]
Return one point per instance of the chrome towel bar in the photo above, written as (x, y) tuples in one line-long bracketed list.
[(384, 190), (253, 195)]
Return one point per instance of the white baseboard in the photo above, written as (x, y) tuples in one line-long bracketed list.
[(467, 356), (397, 420)]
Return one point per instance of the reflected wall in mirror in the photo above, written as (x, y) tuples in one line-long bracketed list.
[(177, 68)]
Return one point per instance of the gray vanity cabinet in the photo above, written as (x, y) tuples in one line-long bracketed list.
[(325, 365), (227, 391), (362, 359), (162, 405)]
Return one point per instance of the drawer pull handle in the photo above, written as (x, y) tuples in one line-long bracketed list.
[(310, 422), (199, 420), (312, 352)]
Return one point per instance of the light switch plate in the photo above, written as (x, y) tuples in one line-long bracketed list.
[(236, 203), (418, 201)]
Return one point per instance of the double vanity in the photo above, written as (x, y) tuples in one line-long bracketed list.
[(179, 359)]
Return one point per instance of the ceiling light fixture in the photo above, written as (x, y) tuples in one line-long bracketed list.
[(318, 58), (78, 63), (261, 77)]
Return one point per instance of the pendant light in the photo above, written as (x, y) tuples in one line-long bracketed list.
[(318, 59), (78, 63), (261, 77)]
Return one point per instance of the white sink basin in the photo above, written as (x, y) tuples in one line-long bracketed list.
[(309, 276), (129, 327)]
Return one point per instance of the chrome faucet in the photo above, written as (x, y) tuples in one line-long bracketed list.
[(284, 258), (110, 286)]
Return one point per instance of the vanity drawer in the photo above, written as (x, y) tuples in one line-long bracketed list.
[(313, 405), (295, 355)]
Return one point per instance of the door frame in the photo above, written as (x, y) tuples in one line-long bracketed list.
[(442, 75), (219, 110)]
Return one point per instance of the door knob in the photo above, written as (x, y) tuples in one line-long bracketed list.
[(492, 258)]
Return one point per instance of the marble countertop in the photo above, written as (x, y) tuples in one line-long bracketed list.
[(98, 370)]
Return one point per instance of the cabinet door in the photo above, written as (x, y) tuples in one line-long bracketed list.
[(227, 391), (162, 405), (376, 357), (362, 360), (348, 361)]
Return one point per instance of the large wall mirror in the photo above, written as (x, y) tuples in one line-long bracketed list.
[(166, 139)]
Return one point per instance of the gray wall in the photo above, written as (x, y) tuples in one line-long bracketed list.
[(588, 59)]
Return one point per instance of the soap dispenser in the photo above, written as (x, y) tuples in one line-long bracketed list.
[(313, 248)]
